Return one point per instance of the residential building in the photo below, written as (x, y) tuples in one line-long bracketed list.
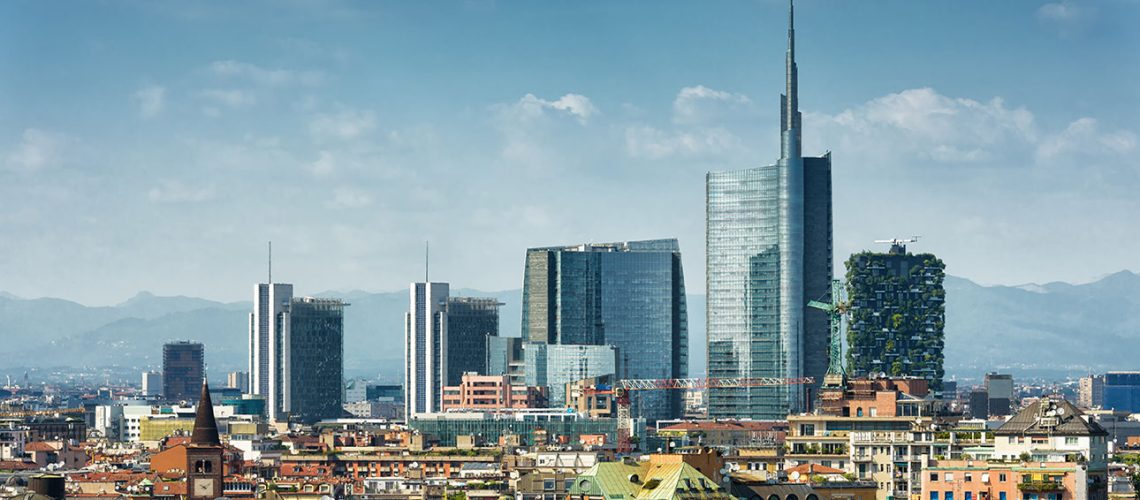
[(267, 324), (238, 380), (470, 321), (743, 487), (982, 480), (1122, 391), (313, 363), (999, 394), (183, 368), (555, 365), (768, 252), (1090, 392), (629, 295), (1053, 430), (151, 383), (879, 397), (425, 344), (491, 392), (531, 427), (592, 396), (897, 315), (12, 441)]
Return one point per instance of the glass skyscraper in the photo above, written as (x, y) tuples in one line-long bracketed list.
[(630, 295), (313, 368), (555, 365), (768, 251), (470, 321), (425, 345)]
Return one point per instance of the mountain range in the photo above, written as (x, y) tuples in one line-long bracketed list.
[(1051, 330)]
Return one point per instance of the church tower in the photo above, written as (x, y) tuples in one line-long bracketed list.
[(204, 466)]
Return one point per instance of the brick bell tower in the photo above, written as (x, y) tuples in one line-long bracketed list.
[(204, 466)]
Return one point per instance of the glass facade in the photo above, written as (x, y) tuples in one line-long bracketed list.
[(769, 251), (470, 322), (425, 334), (315, 366), (183, 365), (505, 357), (555, 365), (1122, 391), (489, 427), (630, 295)]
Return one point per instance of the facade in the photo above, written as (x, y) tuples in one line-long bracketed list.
[(425, 346), (527, 427), (313, 361), (555, 365), (768, 251), (470, 321), (183, 368), (979, 403), (266, 328), (238, 380), (1122, 391), (630, 295), (152, 383), (897, 315), (491, 392), (1090, 392), (999, 392), (505, 357), (879, 397), (981, 480)]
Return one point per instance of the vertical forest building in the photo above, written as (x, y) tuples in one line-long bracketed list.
[(897, 314)]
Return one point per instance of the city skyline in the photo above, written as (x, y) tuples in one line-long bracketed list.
[(950, 144)]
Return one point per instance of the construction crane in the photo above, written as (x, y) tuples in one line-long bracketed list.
[(898, 245), (836, 309), (624, 387)]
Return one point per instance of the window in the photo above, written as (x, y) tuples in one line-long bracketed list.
[(969, 495), (933, 476), (1070, 440), (949, 476), (985, 477), (1001, 477), (569, 484), (934, 495), (548, 484), (949, 495), (969, 478), (1001, 495)]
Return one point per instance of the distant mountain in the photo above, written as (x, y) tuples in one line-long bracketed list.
[(1052, 329)]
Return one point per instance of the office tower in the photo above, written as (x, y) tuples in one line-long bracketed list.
[(897, 314), (425, 345), (630, 295), (266, 328), (470, 321), (555, 365), (152, 383), (238, 380), (768, 252), (183, 366), (1090, 392), (312, 370), (999, 392), (979, 404), (505, 357), (1122, 391)]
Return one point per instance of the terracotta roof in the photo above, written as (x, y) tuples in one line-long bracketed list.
[(17, 465), (815, 469), (39, 446)]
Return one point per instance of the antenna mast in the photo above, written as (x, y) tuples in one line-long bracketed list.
[(427, 261), (271, 262)]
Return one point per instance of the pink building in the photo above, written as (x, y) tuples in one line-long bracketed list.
[(491, 392)]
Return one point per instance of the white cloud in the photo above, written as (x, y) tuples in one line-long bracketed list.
[(37, 149), (344, 125), (579, 106), (150, 99), (652, 143), (1067, 16), (1084, 137), (349, 198), (696, 104), (178, 192), (324, 164), (266, 76), (234, 98)]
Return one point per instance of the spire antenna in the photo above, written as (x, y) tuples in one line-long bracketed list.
[(271, 262), (427, 261)]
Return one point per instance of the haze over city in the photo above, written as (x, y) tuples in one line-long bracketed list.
[(159, 146)]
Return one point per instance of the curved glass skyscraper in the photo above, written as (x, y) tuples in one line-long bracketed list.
[(768, 251)]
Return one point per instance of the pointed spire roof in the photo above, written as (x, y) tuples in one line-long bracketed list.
[(205, 427)]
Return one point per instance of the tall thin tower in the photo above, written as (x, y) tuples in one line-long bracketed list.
[(768, 251), (267, 327)]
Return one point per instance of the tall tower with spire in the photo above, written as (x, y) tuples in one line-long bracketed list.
[(768, 252), (205, 470)]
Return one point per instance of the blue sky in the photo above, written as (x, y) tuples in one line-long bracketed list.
[(158, 146)]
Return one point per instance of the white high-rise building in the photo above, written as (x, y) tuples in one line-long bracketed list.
[(267, 326), (425, 348), (152, 383)]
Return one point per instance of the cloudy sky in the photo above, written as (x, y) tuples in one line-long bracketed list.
[(158, 146)]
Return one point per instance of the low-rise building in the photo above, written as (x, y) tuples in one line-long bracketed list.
[(648, 479), (982, 480), (491, 392)]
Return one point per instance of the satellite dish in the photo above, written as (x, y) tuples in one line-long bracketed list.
[(794, 476), (1060, 410)]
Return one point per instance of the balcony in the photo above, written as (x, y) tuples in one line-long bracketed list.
[(1040, 486)]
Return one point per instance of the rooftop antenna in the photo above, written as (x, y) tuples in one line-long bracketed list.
[(427, 261), (271, 262)]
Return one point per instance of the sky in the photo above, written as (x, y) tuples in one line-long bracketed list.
[(159, 145)]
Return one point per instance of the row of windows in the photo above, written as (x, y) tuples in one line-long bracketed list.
[(968, 477)]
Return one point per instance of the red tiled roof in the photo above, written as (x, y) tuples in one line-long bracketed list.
[(39, 446), (17, 465)]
